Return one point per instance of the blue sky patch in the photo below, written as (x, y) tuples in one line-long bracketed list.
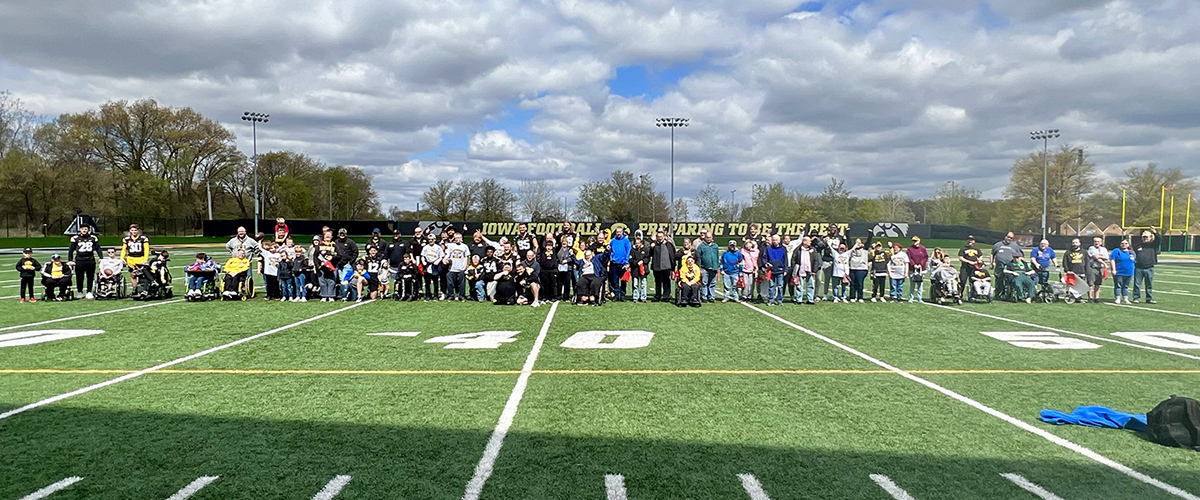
[(648, 82)]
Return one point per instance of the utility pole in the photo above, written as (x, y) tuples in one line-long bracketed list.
[(1044, 136), (208, 187), (255, 119)]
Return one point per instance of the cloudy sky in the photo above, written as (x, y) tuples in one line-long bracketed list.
[(886, 94)]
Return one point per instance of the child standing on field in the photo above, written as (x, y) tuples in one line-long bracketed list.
[(268, 266), (898, 267), (287, 277), (841, 272), (28, 267)]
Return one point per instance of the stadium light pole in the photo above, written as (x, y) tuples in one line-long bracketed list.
[(732, 203), (255, 119), (1044, 136), (672, 123)]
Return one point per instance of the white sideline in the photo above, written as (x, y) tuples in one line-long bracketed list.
[(487, 462), (614, 487), (14, 327), (45, 492), (1156, 310), (1077, 334), (1029, 486), (332, 488), (193, 487), (1174, 490), (753, 487), (168, 364), (890, 486), (1178, 293)]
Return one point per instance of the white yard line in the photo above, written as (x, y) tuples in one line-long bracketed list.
[(1155, 310), (168, 364), (193, 487), (1029, 486), (1193, 283), (487, 462), (1178, 293), (14, 327), (332, 488), (890, 487), (614, 487), (753, 487), (1077, 334), (1020, 424), (45, 492)]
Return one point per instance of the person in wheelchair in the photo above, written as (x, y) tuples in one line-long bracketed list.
[(201, 276), (689, 282), (589, 287), (237, 271), (1023, 279), (154, 280), (57, 274), (981, 283), (944, 278), (108, 276)]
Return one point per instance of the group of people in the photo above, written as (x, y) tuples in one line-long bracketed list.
[(523, 269)]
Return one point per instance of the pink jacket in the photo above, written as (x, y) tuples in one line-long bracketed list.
[(750, 260)]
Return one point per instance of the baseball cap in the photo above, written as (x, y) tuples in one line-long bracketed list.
[(970, 236), (342, 231), (916, 238), (732, 243), (56, 256), (396, 231), (28, 250), (375, 231)]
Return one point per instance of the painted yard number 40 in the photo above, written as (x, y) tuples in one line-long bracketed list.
[(1048, 340), (592, 339)]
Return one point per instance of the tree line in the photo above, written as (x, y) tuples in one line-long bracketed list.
[(144, 159)]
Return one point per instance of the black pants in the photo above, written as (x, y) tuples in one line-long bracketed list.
[(662, 285), (879, 287), (62, 284), (432, 285), (689, 294), (272, 282), (549, 280), (85, 270), (964, 278), (566, 284), (27, 284), (589, 286)]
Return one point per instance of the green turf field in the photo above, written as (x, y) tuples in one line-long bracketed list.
[(254, 400)]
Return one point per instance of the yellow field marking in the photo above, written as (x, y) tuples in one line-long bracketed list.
[(34, 371)]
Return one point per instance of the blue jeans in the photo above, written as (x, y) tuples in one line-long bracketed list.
[(344, 291), (807, 290), (916, 288), (454, 282), (1043, 276), (1145, 276), (1121, 286), (301, 280), (775, 289), (730, 282), (897, 291), (480, 290), (857, 279), (708, 282), (288, 287), (197, 282), (615, 271), (639, 288), (840, 287)]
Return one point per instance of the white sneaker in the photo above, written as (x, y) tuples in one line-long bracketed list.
[(89, 296), (303, 299)]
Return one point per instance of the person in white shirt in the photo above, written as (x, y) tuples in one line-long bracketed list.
[(1097, 262)]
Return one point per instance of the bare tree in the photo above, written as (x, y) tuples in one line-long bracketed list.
[(893, 207), (537, 201), (495, 201), (463, 198), (437, 199)]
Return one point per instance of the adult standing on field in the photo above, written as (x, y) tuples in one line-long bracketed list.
[(918, 259), (1122, 261), (1146, 249), (708, 256), (242, 241), (1003, 252), (618, 262), (1097, 257), (1042, 258), (860, 263), (346, 251), (662, 262), (968, 256), (82, 257)]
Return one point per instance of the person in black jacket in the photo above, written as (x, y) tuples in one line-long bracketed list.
[(346, 254), (377, 242), (28, 268), (1145, 258), (662, 263), (548, 270), (56, 274), (639, 268), (82, 257)]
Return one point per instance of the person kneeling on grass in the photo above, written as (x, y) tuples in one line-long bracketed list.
[(528, 285), (689, 282), (506, 286), (236, 270), (1024, 278)]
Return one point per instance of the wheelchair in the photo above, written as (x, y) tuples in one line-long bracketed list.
[(113, 287), (243, 291), (1006, 289), (207, 291), (149, 287)]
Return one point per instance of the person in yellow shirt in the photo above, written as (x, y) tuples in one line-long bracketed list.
[(135, 251), (236, 270), (56, 274), (689, 282)]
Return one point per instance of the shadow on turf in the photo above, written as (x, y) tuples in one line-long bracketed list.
[(150, 455)]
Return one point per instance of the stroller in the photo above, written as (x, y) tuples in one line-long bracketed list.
[(1068, 289), (153, 283), (207, 291), (945, 285), (110, 287)]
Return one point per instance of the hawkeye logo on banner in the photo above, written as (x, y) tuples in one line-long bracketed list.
[(42, 336)]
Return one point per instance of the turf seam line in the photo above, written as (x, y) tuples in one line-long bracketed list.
[(614, 487), (980, 371), (47, 491), (1030, 486), (1156, 310), (193, 487), (1068, 332), (753, 487), (487, 462), (1113, 464), (89, 315), (184, 359), (333, 487), (891, 487)]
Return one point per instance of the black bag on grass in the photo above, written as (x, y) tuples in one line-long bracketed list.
[(1175, 422)]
